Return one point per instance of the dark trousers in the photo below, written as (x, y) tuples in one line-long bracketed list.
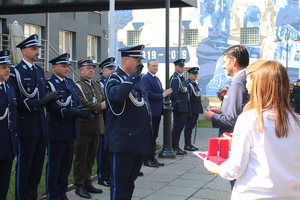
[(179, 120), (103, 165), (189, 125), (232, 182), (60, 156), (155, 128), (85, 152), (5, 170), (30, 161), (125, 169), (297, 105)]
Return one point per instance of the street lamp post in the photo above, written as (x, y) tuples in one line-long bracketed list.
[(297, 40), (277, 40)]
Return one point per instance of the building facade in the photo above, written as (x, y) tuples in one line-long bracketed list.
[(82, 34)]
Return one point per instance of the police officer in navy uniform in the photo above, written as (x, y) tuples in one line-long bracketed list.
[(8, 120), (180, 104), (196, 108), (63, 128), (128, 135), (29, 82), (103, 167), (106, 67)]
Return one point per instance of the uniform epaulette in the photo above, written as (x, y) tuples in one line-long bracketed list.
[(13, 65), (48, 79)]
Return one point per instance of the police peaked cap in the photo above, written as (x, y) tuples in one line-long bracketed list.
[(193, 70), (31, 41), (109, 62), (4, 57), (87, 61), (135, 51), (61, 59), (179, 62)]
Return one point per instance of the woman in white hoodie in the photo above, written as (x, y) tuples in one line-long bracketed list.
[(265, 151)]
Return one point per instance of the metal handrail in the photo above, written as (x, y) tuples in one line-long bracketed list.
[(16, 56)]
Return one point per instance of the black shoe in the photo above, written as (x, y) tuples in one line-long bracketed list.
[(92, 189), (159, 164), (150, 163), (190, 147), (178, 151), (105, 183), (141, 174), (82, 193)]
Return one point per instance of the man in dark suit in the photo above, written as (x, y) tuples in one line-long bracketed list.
[(196, 108), (91, 96), (296, 96), (29, 82), (236, 59), (180, 104), (156, 94), (128, 135), (8, 120), (63, 128)]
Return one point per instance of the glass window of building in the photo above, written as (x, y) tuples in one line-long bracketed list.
[(250, 36), (30, 29), (65, 42), (185, 73), (133, 37), (92, 47), (191, 37)]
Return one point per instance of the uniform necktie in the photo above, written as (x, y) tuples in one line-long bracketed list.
[(66, 83), (158, 81), (2, 91)]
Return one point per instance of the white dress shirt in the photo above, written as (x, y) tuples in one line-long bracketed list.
[(264, 165)]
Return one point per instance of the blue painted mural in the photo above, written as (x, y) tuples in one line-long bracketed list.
[(223, 20)]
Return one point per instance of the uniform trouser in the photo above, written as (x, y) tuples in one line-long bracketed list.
[(5, 170), (30, 161), (85, 153), (60, 156), (125, 169), (297, 106), (189, 125), (103, 166), (155, 128), (179, 120)]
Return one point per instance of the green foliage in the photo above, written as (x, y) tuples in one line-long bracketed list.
[(204, 123)]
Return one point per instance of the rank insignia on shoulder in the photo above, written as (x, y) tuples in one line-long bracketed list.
[(57, 81), (24, 66)]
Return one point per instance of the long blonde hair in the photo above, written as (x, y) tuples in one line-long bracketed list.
[(271, 90)]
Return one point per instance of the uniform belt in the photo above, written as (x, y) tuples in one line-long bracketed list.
[(183, 95), (196, 97)]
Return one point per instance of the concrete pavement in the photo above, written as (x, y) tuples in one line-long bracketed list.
[(182, 178)]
